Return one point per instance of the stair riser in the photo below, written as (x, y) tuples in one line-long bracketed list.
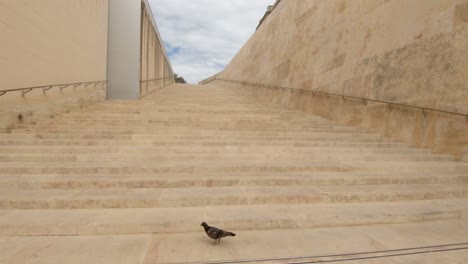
[(141, 170), (212, 150), (157, 141), (167, 135), (191, 122), (19, 134), (222, 157), (182, 130), (239, 182), (199, 142), (253, 121), (140, 144), (193, 201), (192, 225), (159, 114), (186, 112), (193, 130), (186, 128), (189, 119)]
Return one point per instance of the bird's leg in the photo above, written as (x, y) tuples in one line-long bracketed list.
[(215, 241)]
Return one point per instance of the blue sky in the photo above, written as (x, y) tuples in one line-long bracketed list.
[(202, 36)]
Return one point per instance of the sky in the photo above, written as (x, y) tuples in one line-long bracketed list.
[(202, 36)]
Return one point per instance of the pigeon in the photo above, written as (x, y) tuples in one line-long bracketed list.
[(215, 233)]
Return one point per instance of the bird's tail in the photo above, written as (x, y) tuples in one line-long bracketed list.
[(230, 234)]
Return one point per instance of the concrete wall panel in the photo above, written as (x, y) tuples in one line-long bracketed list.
[(123, 58)]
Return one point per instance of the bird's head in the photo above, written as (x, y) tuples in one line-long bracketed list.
[(204, 224)]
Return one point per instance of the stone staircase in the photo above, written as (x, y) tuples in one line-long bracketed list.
[(188, 154)]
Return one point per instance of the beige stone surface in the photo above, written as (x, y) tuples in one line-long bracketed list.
[(50, 42), (16, 109), (59, 42), (307, 245), (359, 48), (156, 70), (74, 249), (130, 182), (434, 242), (172, 220)]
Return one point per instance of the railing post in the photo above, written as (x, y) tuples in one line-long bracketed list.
[(45, 89), (26, 91)]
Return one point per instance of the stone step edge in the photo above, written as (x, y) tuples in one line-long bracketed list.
[(139, 168), (234, 218), (150, 198), (355, 165), (44, 183), (11, 157), (340, 147)]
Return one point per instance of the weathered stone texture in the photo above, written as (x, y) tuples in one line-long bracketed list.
[(461, 14), (50, 42), (411, 52)]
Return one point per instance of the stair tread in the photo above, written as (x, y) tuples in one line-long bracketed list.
[(167, 162), (252, 192), (187, 219)]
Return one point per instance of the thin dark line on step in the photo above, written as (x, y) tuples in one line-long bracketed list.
[(352, 256), (383, 256)]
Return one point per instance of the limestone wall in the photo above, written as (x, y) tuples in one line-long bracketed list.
[(156, 70), (50, 42), (411, 52)]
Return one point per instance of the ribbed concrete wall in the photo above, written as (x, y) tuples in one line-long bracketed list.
[(412, 52)]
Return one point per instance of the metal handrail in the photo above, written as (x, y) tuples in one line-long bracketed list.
[(45, 88), (144, 83), (153, 80), (364, 100)]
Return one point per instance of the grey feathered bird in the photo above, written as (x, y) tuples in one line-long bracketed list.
[(215, 233)]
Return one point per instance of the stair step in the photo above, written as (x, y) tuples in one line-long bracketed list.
[(104, 146), (222, 166), (185, 129), (218, 157), (202, 142), (217, 196), (128, 135), (176, 158), (245, 217), (163, 117), (167, 131), (156, 112), (216, 149), (185, 180)]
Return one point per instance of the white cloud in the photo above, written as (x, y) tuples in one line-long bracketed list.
[(202, 36)]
